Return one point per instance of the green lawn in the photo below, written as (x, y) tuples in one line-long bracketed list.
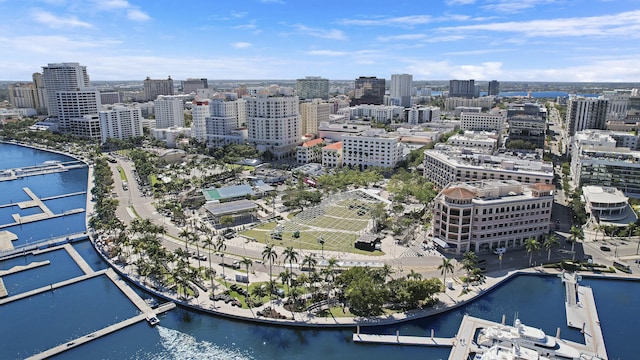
[(123, 176)]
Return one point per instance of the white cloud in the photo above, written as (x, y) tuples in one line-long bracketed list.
[(320, 33), (625, 24), (112, 4), (394, 21), (510, 6), (459, 2), (57, 22), (326, 53), (137, 15), (402, 37), (241, 45)]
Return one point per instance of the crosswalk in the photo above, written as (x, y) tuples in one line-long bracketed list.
[(419, 253)]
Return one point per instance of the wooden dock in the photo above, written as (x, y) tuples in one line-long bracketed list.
[(126, 289), (102, 332), (77, 258), (19, 268)]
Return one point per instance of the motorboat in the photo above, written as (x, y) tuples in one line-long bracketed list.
[(152, 319), (515, 352), (527, 337)]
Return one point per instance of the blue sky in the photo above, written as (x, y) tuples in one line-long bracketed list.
[(523, 40)]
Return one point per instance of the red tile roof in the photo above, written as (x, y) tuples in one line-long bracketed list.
[(313, 142), (334, 146)]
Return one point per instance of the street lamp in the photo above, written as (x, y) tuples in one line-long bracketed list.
[(321, 241)]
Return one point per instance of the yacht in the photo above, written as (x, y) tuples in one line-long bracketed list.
[(499, 352), (527, 337)]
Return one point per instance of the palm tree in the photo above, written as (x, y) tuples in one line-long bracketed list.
[(185, 234), (549, 242), (445, 267), (208, 241), (531, 244), (285, 277), (385, 272), (269, 253), (290, 255), (576, 234), (247, 262), (414, 275), (309, 262), (221, 247)]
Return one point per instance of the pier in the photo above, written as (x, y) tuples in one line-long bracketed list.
[(17, 269), (39, 246), (145, 310), (37, 202), (42, 169)]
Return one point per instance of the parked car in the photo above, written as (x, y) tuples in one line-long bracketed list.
[(605, 248)]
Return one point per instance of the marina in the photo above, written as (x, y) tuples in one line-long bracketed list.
[(476, 335), (45, 213)]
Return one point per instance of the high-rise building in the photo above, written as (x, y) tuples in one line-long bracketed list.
[(193, 85), (40, 93), (489, 214), (494, 88), (224, 122), (110, 97), (63, 77), (22, 95), (274, 124), (120, 122), (586, 113), (371, 148), (154, 88), (462, 88), (73, 106), (312, 114), (312, 87), (200, 111), (368, 90), (169, 111), (400, 91)]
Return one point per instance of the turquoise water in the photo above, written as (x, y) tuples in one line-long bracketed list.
[(49, 319)]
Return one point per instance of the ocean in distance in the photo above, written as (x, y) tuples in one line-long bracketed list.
[(37, 323)]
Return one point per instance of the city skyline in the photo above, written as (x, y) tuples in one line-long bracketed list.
[(526, 40)]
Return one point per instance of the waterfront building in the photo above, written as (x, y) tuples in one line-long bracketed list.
[(310, 151), (313, 113), (85, 126), (332, 155), (120, 122), (608, 205), (169, 111), (493, 88), (489, 214), (312, 87), (442, 167), (273, 124), (462, 88), (368, 90), (586, 113), (371, 148), (73, 106), (62, 77), (401, 89), (192, 85), (153, 88), (494, 121), (597, 159)]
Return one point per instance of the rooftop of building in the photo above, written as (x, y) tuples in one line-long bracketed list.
[(473, 158), (229, 192), (602, 194), (334, 146), (313, 142)]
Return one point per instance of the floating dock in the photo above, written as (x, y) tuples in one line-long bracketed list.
[(56, 167), (37, 202)]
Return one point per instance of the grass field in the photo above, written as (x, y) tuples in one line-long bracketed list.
[(337, 223)]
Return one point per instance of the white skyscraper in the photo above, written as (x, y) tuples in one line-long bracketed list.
[(120, 122), (61, 81), (72, 106), (169, 112), (274, 124), (199, 112), (400, 92)]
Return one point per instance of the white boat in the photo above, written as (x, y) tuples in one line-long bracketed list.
[(499, 352), (527, 337), (152, 319)]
